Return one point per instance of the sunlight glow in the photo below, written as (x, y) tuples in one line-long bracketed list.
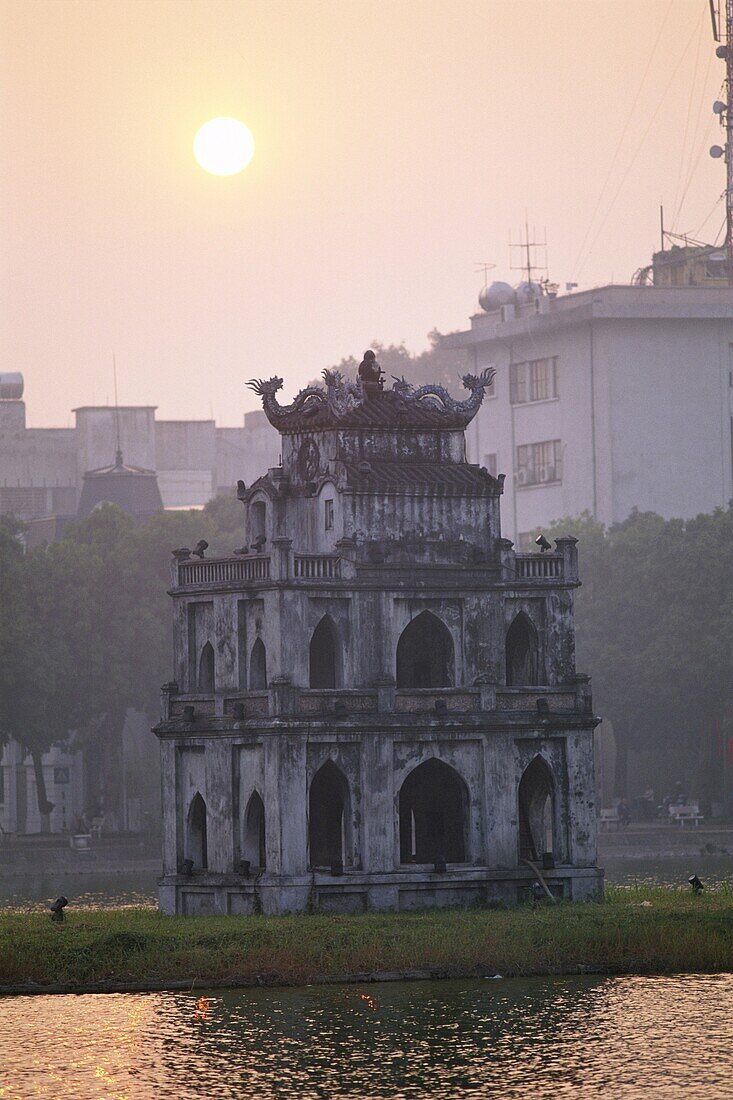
[(224, 146)]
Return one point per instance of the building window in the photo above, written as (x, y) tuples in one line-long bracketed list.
[(2, 785), (538, 463), (328, 513), (491, 464), (535, 380)]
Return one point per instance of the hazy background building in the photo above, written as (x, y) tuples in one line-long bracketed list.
[(42, 470), (604, 401)]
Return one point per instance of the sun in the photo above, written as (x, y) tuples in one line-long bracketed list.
[(224, 146)]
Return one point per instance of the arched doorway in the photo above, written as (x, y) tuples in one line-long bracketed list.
[(522, 653), (433, 808), (536, 810), (253, 838), (324, 655), (258, 666), (329, 817), (206, 668), (425, 654), (196, 844)]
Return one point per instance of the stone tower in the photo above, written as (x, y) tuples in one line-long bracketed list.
[(375, 702)]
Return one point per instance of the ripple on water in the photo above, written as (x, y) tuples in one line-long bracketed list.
[(619, 1037)]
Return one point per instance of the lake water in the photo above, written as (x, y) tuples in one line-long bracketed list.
[(615, 1038)]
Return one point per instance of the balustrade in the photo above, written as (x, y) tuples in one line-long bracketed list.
[(539, 567), (222, 570), (312, 567)]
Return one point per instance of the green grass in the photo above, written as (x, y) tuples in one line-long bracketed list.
[(635, 931)]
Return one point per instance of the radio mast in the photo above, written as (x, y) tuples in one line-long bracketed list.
[(725, 111)]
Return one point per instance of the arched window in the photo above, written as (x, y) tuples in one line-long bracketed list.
[(253, 839), (258, 666), (258, 521), (196, 848), (329, 817), (433, 815), (522, 653), (206, 668), (425, 654), (323, 655), (536, 810)]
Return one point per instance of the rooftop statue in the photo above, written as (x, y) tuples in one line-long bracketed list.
[(366, 403)]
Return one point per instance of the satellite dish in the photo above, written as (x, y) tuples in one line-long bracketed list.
[(721, 51), (718, 107), (716, 151)]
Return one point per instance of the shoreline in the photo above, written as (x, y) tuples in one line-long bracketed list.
[(438, 974), (637, 930)]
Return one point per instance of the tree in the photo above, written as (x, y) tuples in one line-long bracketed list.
[(654, 619), (87, 630)]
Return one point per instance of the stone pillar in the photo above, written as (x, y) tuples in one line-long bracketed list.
[(219, 806), (169, 799), (567, 546), (225, 645), (583, 694), (487, 692), (507, 559), (346, 549), (501, 811), (385, 686), (167, 692), (378, 798), (582, 812), (285, 782), (282, 696), (281, 561)]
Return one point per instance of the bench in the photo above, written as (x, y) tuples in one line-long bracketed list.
[(683, 812), (609, 818)]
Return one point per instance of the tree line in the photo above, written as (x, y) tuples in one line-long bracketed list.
[(87, 633), (654, 623)]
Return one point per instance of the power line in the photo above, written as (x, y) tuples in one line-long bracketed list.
[(623, 135), (695, 156), (638, 149), (683, 147)]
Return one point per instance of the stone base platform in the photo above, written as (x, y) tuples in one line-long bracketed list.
[(357, 892)]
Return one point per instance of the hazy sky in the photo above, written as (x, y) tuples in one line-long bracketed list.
[(397, 143)]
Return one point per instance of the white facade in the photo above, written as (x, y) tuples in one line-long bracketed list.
[(62, 771), (640, 414)]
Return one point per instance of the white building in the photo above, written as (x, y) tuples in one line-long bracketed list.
[(605, 401)]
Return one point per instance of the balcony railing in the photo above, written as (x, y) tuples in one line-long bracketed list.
[(221, 571), (316, 567), (539, 567)]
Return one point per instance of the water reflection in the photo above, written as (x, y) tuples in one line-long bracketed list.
[(660, 1037)]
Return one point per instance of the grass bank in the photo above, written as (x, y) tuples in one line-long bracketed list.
[(635, 931)]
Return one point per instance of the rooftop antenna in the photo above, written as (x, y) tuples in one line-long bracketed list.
[(529, 261), (118, 453), (724, 110), (485, 268)]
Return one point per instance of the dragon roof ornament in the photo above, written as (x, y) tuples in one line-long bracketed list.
[(343, 403)]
